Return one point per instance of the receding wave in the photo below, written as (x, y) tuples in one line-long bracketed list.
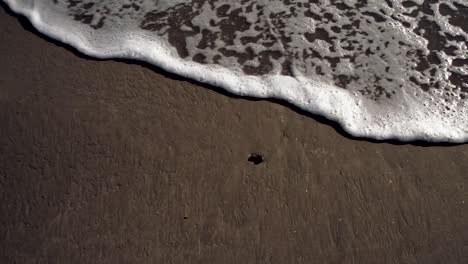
[(383, 69)]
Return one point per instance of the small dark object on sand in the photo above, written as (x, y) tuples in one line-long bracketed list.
[(256, 158)]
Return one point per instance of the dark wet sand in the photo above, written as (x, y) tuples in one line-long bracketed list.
[(111, 162)]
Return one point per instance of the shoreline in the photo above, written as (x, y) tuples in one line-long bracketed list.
[(104, 162), (350, 118)]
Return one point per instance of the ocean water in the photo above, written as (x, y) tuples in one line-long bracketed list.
[(382, 69)]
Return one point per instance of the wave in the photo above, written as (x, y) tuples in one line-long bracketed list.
[(393, 69)]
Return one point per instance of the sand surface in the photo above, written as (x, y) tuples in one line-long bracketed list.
[(114, 162)]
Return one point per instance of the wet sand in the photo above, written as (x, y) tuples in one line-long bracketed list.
[(117, 162)]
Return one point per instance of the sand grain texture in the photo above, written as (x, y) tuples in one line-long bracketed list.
[(111, 162)]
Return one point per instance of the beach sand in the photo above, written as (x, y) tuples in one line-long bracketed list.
[(118, 162)]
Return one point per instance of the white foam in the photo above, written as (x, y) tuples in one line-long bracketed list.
[(410, 114)]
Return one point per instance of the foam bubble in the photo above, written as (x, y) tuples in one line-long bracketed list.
[(388, 69)]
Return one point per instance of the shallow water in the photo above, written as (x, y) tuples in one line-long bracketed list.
[(388, 69)]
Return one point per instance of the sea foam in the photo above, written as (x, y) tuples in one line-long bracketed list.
[(382, 69)]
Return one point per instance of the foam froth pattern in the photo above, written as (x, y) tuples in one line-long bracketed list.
[(390, 69)]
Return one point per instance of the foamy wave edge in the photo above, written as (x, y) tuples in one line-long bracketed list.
[(352, 112)]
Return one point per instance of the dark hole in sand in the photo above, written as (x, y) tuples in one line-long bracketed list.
[(185, 217), (256, 159)]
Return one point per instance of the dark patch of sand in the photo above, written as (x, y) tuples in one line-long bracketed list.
[(110, 162)]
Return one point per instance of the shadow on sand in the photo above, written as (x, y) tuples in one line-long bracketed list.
[(29, 27)]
